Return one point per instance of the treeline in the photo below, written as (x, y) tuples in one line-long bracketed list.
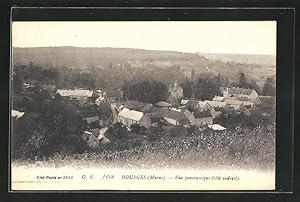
[(144, 83), (206, 85), (146, 91), (109, 77)]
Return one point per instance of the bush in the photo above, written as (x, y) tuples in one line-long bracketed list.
[(137, 129), (116, 131)]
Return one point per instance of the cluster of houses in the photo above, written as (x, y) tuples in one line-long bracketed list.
[(129, 112), (190, 111)]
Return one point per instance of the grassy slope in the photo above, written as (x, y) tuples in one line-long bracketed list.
[(81, 57)]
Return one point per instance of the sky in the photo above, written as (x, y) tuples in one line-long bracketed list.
[(242, 37)]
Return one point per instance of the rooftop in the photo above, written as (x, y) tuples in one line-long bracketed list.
[(75, 92), (215, 103), (131, 114), (178, 115), (162, 104), (233, 102), (202, 114), (237, 90)]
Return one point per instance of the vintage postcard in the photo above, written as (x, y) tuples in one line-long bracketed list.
[(143, 105)]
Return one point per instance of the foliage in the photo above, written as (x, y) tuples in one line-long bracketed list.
[(206, 87), (137, 129), (187, 88), (38, 136), (146, 91), (116, 131), (241, 148), (243, 82), (241, 119), (269, 87), (16, 84)]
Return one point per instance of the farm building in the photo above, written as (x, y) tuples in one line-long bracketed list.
[(128, 117), (251, 94), (180, 117), (203, 118)]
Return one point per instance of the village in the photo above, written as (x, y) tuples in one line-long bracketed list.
[(173, 112)]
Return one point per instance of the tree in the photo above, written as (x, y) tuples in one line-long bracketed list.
[(16, 84), (206, 87), (116, 131), (187, 88), (193, 74), (268, 88), (242, 80), (146, 91), (137, 129)]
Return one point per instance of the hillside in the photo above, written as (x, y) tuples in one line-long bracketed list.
[(242, 58), (56, 57)]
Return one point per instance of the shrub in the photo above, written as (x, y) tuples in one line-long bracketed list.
[(137, 129), (116, 131)]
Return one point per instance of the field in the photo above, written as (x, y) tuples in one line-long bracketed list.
[(242, 148)]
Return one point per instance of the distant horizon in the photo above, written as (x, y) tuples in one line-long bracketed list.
[(232, 37), (177, 51)]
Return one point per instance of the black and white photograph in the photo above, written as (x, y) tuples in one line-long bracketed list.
[(143, 105)]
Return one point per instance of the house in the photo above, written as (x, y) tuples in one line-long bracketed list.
[(179, 117), (176, 92), (158, 112), (218, 98), (202, 105), (162, 104), (91, 119), (147, 108), (102, 139), (184, 102), (99, 100), (251, 94), (192, 105), (76, 94), (236, 104), (215, 104), (128, 117), (91, 139), (216, 112), (248, 104), (16, 114), (114, 95), (203, 118)]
